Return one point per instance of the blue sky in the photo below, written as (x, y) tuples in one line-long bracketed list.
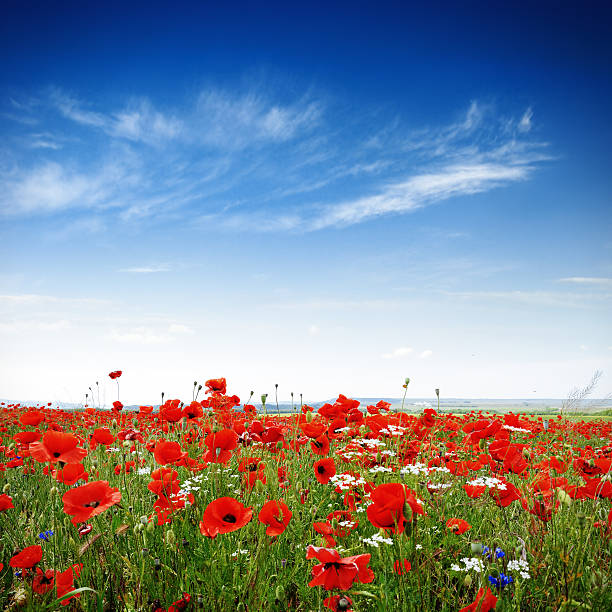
[(330, 199)]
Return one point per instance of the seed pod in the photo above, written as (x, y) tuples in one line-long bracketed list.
[(476, 548), (467, 581)]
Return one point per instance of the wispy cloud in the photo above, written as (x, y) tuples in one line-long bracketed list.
[(244, 161), (426, 354), (587, 280), (146, 269)]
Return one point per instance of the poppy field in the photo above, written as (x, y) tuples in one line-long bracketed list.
[(210, 504)]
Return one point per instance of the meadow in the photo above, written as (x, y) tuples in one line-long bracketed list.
[(210, 504)]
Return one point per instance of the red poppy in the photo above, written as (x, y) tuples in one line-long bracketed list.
[(6, 502), (89, 500), (276, 515), (336, 572), (401, 567), (43, 581), (483, 602), (474, 490), (64, 582), (193, 411), (224, 515), (71, 473), (181, 604), (27, 558), (220, 445), (32, 418), (325, 529), (115, 374), (27, 437), (145, 409), (117, 406), (171, 411), (389, 504), (324, 469), (458, 526), (216, 385), (504, 497), (57, 446), (320, 445), (168, 452)]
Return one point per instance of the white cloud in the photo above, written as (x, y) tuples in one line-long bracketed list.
[(402, 351), (146, 269), (584, 347), (139, 335), (421, 190), (587, 280), (426, 354), (524, 124)]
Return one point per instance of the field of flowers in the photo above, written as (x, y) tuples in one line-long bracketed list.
[(212, 505)]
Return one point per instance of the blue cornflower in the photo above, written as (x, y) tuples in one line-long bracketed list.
[(45, 535), (499, 553), (502, 581), (485, 550)]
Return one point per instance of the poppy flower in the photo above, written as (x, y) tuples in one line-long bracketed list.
[(57, 446), (115, 374), (6, 502), (389, 503), (483, 602), (27, 558), (320, 445), (276, 515), (32, 418), (224, 515), (324, 469), (504, 497), (43, 581), (336, 572), (171, 411), (117, 406), (145, 409), (89, 500), (193, 411), (216, 385), (458, 526), (71, 473), (220, 445), (324, 528), (168, 452), (401, 567), (64, 582), (103, 435)]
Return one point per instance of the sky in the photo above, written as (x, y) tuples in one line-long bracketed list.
[(327, 198)]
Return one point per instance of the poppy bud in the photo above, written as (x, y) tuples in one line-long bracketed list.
[(309, 417), (437, 392), (334, 523), (259, 486), (138, 527), (564, 498), (580, 517), (67, 522), (6, 488), (494, 572), (264, 397), (150, 526), (280, 592), (54, 491), (467, 581), (407, 381), (476, 548), (170, 538)]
